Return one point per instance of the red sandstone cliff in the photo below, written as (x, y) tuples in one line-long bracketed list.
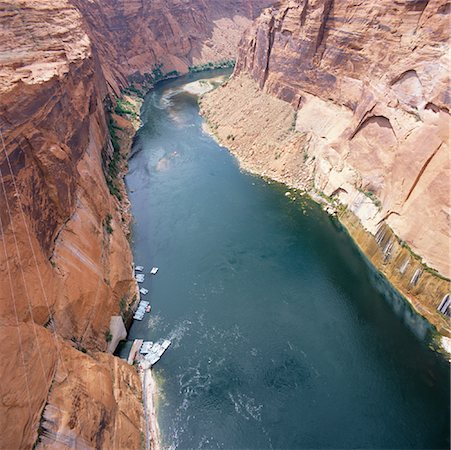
[(132, 37), (64, 258), (351, 99)]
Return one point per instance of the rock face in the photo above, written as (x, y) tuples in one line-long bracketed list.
[(64, 255), (351, 99), (133, 37)]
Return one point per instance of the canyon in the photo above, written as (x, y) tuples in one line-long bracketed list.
[(65, 251), (347, 101), (350, 102)]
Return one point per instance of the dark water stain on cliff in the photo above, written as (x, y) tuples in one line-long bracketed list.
[(283, 337)]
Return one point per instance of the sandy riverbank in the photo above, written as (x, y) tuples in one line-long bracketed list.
[(201, 87), (149, 393)]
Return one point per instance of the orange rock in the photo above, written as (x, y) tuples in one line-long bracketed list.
[(64, 271)]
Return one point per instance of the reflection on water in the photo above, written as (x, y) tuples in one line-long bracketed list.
[(283, 335)]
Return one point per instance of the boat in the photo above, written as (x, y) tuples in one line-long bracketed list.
[(156, 351), (139, 277), (146, 347), (144, 291), (143, 307), (139, 268), (154, 270)]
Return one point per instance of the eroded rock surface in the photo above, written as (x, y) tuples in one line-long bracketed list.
[(64, 255), (133, 37)]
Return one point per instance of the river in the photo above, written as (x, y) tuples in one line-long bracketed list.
[(282, 334)]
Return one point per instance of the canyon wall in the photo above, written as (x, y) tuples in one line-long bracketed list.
[(350, 101), (65, 258), (133, 37)]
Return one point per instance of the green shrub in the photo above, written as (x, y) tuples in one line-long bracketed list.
[(372, 196), (107, 223), (123, 306), (293, 122), (108, 336), (123, 107), (223, 64), (113, 166), (132, 89), (157, 74)]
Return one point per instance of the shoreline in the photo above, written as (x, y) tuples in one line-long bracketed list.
[(153, 439), (130, 124), (360, 237)]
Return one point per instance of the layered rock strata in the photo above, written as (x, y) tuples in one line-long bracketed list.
[(64, 254), (351, 100), (133, 37)]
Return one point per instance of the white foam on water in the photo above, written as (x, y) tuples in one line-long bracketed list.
[(176, 335), (166, 99), (246, 406), (154, 320)]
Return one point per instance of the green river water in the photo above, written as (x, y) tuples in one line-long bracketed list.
[(282, 335)]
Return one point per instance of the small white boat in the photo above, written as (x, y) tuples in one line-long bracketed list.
[(144, 291), (146, 347), (154, 271), (139, 268), (148, 308), (139, 277)]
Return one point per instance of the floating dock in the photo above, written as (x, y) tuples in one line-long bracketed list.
[(144, 306)]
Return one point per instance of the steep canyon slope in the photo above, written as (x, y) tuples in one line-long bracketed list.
[(132, 37), (351, 100), (64, 255)]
